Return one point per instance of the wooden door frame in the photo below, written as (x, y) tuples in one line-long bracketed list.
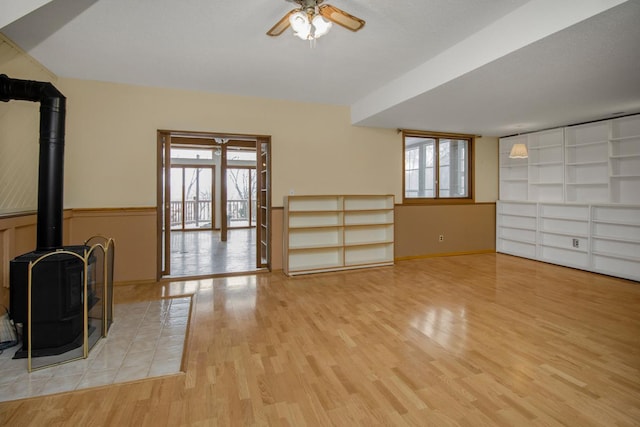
[(165, 138)]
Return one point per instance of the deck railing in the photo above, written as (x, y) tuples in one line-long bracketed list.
[(197, 214)]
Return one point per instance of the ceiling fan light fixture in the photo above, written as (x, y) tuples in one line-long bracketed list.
[(321, 26), (300, 24), (313, 19)]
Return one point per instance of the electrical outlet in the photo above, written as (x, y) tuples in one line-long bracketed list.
[(441, 238), (576, 243)]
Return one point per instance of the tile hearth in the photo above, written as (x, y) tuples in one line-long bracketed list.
[(146, 340)]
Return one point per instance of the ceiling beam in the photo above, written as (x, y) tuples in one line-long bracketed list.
[(533, 21), (12, 10)]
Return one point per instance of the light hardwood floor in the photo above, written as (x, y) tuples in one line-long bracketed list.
[(469, 340), (200, 252)]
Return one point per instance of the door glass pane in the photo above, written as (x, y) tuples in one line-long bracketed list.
[(238, 191), (175, 208), (254, 195), (197, 188)]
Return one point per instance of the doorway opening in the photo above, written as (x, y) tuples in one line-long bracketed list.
[(214, 197)]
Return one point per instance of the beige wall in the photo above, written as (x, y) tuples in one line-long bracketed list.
[(19, 133), (111, 144)]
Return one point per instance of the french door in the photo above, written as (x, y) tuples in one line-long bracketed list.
[(186, 193), (192, 203)]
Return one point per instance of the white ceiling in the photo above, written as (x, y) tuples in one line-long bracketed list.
[(490, 67)]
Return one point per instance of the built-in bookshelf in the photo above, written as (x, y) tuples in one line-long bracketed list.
[(597, 237), (546, 165), (327, 233), (514, 173), (578, 205), (625, 160), (587, 165)]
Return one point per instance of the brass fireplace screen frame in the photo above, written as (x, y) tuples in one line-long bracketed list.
[(97, 285)]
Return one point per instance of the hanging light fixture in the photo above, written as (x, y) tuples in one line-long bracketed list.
[(309, 24), (518, 151)]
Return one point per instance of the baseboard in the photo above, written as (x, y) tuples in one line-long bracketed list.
[(482, 251)]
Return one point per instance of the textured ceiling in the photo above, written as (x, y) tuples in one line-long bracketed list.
[(220, 46)]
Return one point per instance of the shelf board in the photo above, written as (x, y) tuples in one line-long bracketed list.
[(316, 247), (376, 243), (518, 215), (369, 263), (546, 163), (515, 180), (590, 163), (509, 239), (625, 156), (522, 165), (545, 147), (624, 138), (566, 234), (625, 176), (616, 222), (315, 211), (587, 183), (545, 183), (564, 248), (586, 144), (614, 239), (314, 227), (564, 218), (314, 268), (368, 224), (617, 256)]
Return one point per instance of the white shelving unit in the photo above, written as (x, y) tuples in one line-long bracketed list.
[(327, 233), (587, 162), (615, 234), (625, 160), (599, 238), (517, 228), (514, 175), (579, 204), (546, 165), (563, 234)]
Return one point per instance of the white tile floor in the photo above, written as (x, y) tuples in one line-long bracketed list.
[(146, 340)]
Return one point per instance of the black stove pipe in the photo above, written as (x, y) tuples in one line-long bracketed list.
[(51, 161)]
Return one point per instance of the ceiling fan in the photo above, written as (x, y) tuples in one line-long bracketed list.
[(313, 19)]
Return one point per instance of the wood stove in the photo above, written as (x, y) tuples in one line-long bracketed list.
[(53, 288)]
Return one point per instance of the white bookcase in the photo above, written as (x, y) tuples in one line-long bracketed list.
[(563, 234), (625, 160), (587, 166), (546, 165), (604, 238), (327, 233), (615, 240), (517, 228), (514, 173), (578, 204)]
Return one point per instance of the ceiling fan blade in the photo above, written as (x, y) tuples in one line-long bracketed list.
[(282, 25), (341, 17)]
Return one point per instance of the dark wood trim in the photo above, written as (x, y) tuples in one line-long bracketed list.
[(437, 200)]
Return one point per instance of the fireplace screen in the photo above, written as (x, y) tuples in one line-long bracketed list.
[(69, 303)]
